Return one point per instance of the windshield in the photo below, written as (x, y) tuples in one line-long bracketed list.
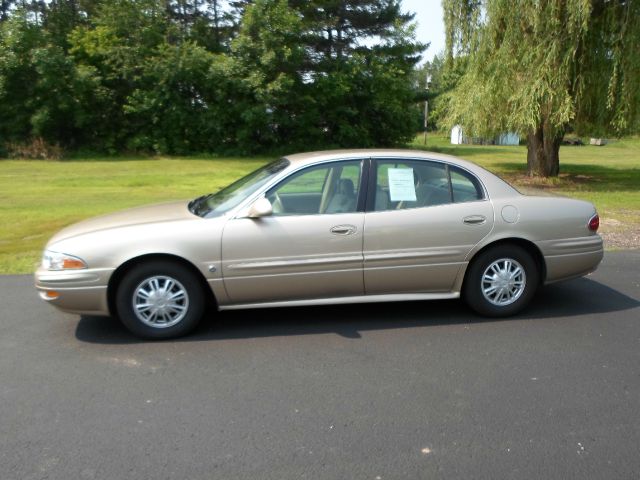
[(216, 204)]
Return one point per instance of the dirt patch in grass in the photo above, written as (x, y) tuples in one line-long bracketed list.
[(627, 240), (620, 230), (566, 181)]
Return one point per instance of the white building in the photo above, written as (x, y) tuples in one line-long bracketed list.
[(458, 138), (509, 138)]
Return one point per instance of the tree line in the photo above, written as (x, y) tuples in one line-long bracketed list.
[(185, 76)]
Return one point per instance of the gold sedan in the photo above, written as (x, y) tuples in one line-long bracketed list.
[(323, 228)]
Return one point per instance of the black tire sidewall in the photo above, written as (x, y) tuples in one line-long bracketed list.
[(171, 269), (472, 290)]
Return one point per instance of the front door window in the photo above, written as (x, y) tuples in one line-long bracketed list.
[(324, 189)]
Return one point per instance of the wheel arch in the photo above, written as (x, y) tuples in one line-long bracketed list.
[(132, 263), (526, 245)]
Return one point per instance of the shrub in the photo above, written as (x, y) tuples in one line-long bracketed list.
[(34, 149)]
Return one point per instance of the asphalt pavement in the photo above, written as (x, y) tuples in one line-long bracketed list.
[(381, 391)]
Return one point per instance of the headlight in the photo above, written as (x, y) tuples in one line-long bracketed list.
[(61, 261)]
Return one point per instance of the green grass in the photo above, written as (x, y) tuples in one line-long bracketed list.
[(37, 198)]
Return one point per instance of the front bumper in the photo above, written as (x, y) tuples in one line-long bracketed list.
[(75, 291)]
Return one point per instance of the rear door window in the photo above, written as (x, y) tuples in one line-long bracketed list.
[(404, 184)]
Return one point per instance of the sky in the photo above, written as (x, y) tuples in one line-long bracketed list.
[(430, 24)]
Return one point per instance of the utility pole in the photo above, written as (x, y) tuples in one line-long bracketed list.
[(426, 106)]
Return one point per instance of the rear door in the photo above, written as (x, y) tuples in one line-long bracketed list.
[(423, 219)]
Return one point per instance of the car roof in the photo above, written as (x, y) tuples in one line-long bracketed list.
[(299, 159)]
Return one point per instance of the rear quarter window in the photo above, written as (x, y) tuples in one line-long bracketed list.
[(465, 186)]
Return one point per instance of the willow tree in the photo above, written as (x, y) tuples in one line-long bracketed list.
[(540, 66)]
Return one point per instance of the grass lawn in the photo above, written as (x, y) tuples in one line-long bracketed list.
[(37, 198)]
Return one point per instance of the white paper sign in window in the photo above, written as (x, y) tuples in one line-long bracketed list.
[(401, 186)]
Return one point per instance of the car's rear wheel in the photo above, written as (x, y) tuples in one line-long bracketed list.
[(501, 281), (160, 300)]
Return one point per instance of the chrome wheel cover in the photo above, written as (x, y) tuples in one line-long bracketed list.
[(160, 301), (503, 282)]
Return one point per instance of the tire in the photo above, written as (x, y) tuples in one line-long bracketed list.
[(501, 281), (160, 299)]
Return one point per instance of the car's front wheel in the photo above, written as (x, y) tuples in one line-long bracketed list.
[(501, 281), (160, 300)]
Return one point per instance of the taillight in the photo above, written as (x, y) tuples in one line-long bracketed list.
[(594, 223)]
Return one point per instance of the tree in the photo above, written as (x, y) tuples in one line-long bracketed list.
[(60, 17), (538, 67), (182, 102), (5, 7), (326, 74), (335, 30), (116, 46), (210, 23), (17, 40), (43, 94), (180, 76), (268, 58), (462, 20)]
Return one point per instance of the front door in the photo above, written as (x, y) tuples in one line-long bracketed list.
[(310, 247)]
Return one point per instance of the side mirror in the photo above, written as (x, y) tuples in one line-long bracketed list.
[(260, 208)]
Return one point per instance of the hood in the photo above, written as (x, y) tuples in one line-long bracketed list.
[(165, 212)]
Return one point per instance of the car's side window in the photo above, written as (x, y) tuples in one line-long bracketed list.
[(404, 184), (323, 189), (465, 187)]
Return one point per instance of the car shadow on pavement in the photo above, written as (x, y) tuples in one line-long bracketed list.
[(577, 297)]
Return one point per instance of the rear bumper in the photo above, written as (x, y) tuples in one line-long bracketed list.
[(75, 291), (572, 258)]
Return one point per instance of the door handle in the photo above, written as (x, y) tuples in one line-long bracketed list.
[(474, 219), (343, 229)]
